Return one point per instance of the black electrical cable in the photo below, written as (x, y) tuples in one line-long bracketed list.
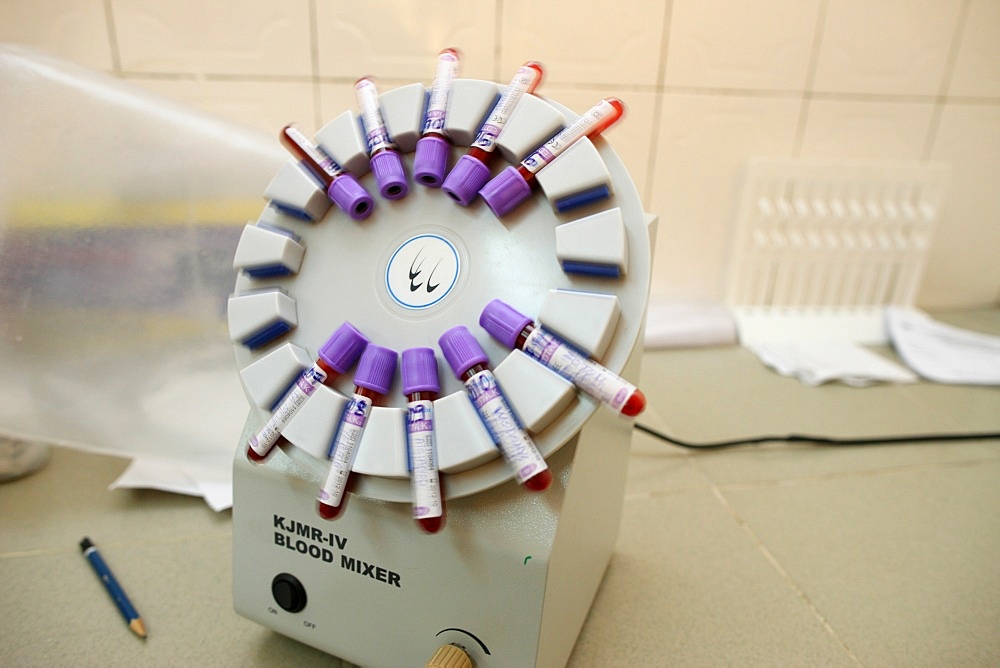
[(820, 440)]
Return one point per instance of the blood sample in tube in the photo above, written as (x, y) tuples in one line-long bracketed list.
[(341, 187), (515, 330), (382, 151), (371, 382), (335, 357), (421, 387), (471, 366), (472, 170), (431, 157), (515, 184)]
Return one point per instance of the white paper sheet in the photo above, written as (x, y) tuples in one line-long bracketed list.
[(943, 353), (213, 481), (818, 362)]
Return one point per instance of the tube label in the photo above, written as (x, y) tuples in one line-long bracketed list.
[(304, 386), (589, 376), (437, 105), (514, 443), (597, 117), (376, 134), (345, 449), (495, 122), (423, 459)]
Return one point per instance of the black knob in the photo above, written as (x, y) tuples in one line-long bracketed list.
[(288, 592)]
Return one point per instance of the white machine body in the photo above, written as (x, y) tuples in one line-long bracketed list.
[(512, 574)]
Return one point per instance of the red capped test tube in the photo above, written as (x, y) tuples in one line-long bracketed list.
[(372, 380), (382, 151), (341, 187), (472, 170), (421, 387), (514, 184), (337, 355), (431, 157), (516, 330), (471, 366)]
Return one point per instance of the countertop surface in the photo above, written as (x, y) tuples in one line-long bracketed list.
[(774, 554)]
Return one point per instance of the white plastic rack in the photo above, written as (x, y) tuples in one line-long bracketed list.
[(820, 247)]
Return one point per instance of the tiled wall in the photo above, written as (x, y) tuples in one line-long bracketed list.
[(708, 83)]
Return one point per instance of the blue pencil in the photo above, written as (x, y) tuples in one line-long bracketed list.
[(115, 590)]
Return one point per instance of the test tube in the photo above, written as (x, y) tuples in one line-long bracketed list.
[(472, 170), (382, 151), (341, 187), (372, 380), (337, 355), (516, 330), (431, 157), (514, 184), (471, 366), (421, 387)]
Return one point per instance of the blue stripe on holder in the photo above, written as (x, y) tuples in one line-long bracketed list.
[(409, 452), (313, 176), (583, 197), (591, 269), (266, 335), (362, 132), (270, 271), (284, 393), (486, 117), (289, 211)]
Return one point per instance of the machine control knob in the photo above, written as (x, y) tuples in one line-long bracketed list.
[(450, 656), (288, 592)]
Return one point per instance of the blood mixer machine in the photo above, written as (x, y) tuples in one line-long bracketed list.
[(507, 576)]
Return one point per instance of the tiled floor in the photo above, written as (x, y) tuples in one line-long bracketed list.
[(776, 554)]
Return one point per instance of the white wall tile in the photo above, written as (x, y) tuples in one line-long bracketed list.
[(861, 130), (756, 44), (977, 68), (72, 29), (704, 143), (964, 264), (266, 106), (401, 39), (895, 47), (219, 37), (584, 42), (335, 98)]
